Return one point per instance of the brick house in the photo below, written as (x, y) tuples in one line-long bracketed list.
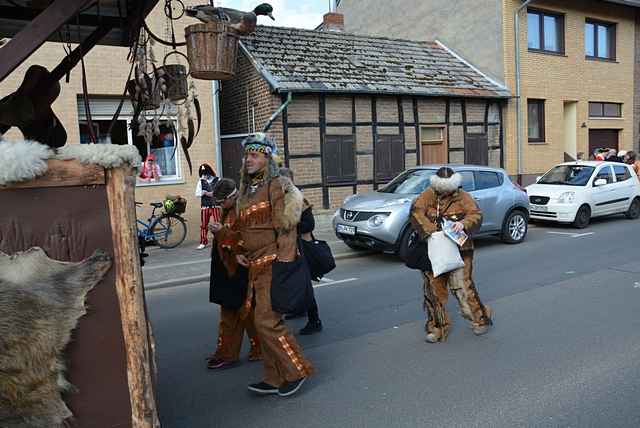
[(362, 108), (578, 90), (107, 70)]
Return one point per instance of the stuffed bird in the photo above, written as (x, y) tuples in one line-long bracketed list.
[(241, 22)]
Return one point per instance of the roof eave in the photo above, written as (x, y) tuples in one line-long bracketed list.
[(262, 71), (284, 88)]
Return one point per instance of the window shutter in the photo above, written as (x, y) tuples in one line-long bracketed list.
[(347, 158), (389, 156), (332, 158)]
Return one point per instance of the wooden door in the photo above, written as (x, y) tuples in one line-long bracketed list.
[(603, 139), (433, 153), (476, 149)]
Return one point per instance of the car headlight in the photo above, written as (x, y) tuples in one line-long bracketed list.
[(377, 220), (567, 198)]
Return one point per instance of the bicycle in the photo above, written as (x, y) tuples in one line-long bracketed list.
[(167, 230)]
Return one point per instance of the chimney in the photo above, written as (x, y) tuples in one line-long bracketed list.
[(333, 21)]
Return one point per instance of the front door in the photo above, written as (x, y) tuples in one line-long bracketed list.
[(603, 139)]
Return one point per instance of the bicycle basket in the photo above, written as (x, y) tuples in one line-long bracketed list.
[(175, 205)]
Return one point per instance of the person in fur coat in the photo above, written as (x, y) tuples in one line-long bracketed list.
[(228, 286), (268, 210), (445, 199)]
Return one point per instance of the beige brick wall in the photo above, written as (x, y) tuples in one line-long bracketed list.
[(107, 70), (569, 77), (338, 109), (304, 108)]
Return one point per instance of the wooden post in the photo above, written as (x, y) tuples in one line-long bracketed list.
[(120, 192)]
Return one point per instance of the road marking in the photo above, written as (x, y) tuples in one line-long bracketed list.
[(572, 235), (326, 280), (342, 281), (171, 265), (636, 285)]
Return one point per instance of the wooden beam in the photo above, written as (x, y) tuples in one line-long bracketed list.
[(121, 184), (36, 32), (76, 55), (86, 20), (62, 174)]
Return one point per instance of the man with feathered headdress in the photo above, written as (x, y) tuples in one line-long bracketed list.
[(445, 200), (268, 210)]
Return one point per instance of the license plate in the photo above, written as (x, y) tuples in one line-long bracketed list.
[(539, 208), (344, 229)]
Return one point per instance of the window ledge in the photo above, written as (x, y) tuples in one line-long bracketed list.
[(167, 182), (543, 52), (538, 143), (597, 59), (606, 118)]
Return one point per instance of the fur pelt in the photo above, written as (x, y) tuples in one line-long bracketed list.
[(293, 203), (105, 155), (446, 185), (40, 302), (26, 160), (22, 160)]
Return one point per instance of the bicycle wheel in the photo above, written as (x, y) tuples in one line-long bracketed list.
[(169, 231)]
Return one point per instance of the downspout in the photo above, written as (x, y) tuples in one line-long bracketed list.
[(519, 121), (216, 126)]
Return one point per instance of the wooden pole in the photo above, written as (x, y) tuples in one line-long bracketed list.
[(120, 192)]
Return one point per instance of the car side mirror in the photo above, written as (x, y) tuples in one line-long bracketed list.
[(600, 182), (538, 178)]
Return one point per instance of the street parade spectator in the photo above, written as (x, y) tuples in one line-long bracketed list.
[(269, 208), (445, 200), (150, 170), (208, 210), (228, 286), (631, 159), (305, 229)]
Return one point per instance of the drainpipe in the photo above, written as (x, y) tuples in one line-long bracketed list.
[(519, 121), (215, 90)]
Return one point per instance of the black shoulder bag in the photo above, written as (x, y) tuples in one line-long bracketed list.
[(318, 255), (291, 289)]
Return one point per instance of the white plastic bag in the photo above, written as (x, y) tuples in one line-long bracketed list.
[(444, 254)]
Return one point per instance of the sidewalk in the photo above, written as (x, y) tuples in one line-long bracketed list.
[(187, 265)]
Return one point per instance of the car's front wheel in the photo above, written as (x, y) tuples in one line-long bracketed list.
[(634, 210), (583, 217), (515, 227), (403, 248)]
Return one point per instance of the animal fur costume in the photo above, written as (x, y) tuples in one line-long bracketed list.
[(232, 325), (444, 199), (268, 210), (40, 302)]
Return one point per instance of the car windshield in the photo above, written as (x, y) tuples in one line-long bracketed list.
[(569, 175), (412, 182)]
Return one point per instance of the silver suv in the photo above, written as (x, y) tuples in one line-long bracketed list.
[(380, 220)]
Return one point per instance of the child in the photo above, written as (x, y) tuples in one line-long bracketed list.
[(228, 286), (204, 191), (150, 169)]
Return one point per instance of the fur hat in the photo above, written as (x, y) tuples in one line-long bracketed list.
[(446, 180), (261, 143)]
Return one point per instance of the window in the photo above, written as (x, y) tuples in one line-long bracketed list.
[(412, 182), (468, 181), (161, 146), (535, 117), (389, 159), (600, 40), (487, 180), (622, 173), (431, 134), (339, 159), (605, 110), (604, 173), (568, 175), (545, 31)]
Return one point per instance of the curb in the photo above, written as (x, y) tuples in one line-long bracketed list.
[(187, 280)]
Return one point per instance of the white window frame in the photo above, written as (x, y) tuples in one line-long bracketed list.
[(178, 178)]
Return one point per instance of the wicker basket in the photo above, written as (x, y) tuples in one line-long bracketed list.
[(212, 49), (176, 78)]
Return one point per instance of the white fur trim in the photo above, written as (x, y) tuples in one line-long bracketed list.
[(105, 155), (22, 161), (446, 185)]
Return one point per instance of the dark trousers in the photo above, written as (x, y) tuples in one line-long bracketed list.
[(312, 312)]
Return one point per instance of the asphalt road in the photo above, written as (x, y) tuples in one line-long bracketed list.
[(565, 350)]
